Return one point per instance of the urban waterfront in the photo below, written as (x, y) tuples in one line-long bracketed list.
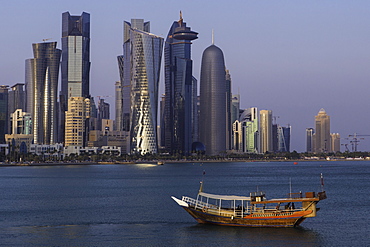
[(130, 205)]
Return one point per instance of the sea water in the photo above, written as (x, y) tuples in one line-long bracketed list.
[(131, 205)]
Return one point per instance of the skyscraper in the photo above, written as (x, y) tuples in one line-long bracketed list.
[(309, 140), (17, 98), (213, 101), (4, 115), (124, 66), (283, 134), (75, 55), (42, 73), (140, 69), (228, 111), (180, 89), (266, 130), (246, 133), (75, 65), (322, 135)]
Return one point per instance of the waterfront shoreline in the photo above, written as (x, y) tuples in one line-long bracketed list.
[(14, 164)]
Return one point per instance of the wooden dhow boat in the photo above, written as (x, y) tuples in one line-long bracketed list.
[(252, 211)]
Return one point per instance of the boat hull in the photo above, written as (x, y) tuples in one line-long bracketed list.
[(249, 221)]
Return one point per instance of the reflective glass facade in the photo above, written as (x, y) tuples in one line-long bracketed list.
[(75, 55), (213, 104), (180, 90), (146, 54), (266, 130), (42, 73), (124, 65)]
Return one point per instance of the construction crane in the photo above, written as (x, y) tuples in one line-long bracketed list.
[(46, 39), (355, 140)]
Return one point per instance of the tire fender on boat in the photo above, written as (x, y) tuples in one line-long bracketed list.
[(204, 209)]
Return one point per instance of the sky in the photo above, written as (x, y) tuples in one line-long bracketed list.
[(293, 57)]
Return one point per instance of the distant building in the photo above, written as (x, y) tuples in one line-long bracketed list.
[(283, 134), (266, 130), (4, 115), (322, 143), (309, 140), (118, 96), (229, 127), (335, 142), (246, 132), (42, 73), (213, 114), (17, 98)]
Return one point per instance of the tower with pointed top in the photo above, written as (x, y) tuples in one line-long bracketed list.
[(213, 101), (322, 141), (180, 89)]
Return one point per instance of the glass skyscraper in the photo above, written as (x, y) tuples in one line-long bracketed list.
[(140, 70), (180, 89), (42, 73), (213, 103), (124, 66), (75, 55), (4, 115)]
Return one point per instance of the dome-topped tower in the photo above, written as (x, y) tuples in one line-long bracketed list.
[(213, 101)]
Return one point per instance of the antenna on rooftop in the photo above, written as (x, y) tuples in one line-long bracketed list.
[(213, 37)]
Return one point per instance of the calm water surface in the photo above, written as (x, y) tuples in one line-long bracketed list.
[(130, 205)]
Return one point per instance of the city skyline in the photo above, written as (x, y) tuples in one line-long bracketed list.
[(303, 56)]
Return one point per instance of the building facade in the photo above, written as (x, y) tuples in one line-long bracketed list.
[(4, 114), (283, 136), (309, 139), (335, 142), (266, 131), (212, 120), (75, 65), (140, 70), (180, 89), (42, 74), (322, 143), (76, 124), (124, 65)]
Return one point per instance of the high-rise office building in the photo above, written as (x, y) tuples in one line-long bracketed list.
[(75, 65), (75, 55), (283, 136), (118, 104), (309, 139), (42, 73), (180, 89), (4, 115), (17, 98), (103, 110), (335, 142), (246, 132), (228, 111), (322, 132), (124, 66), (140, 69), (266, 130), (213, 98), (78, 112)]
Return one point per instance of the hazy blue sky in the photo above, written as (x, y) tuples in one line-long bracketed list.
[(292, 57)]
